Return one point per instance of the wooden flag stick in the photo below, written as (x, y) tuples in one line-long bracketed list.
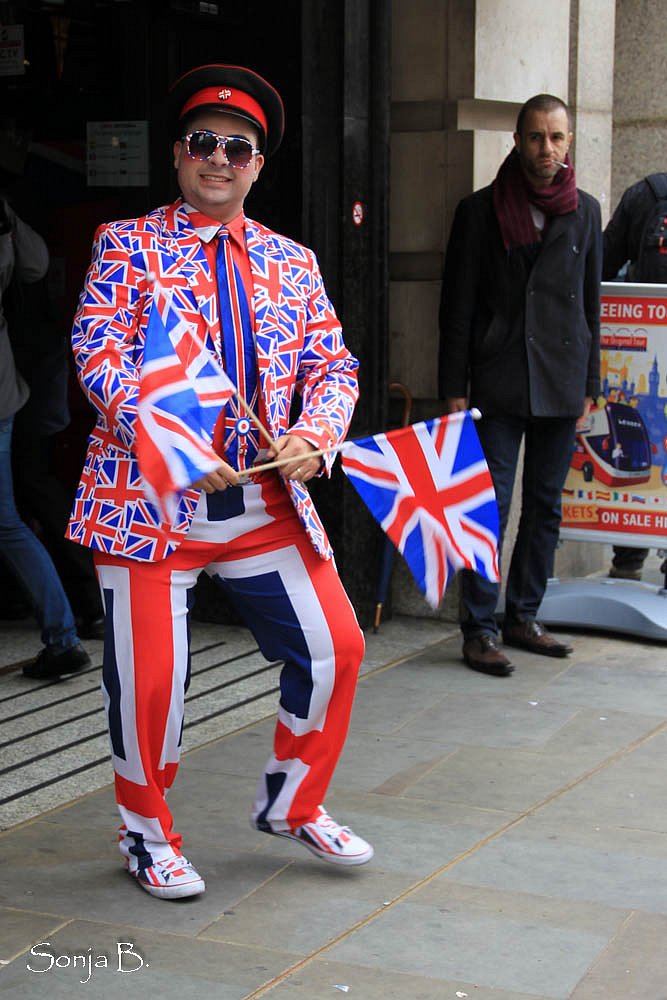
[(294, 458), (475, 414)]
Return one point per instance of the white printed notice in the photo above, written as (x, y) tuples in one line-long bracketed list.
[(12, 50), (117, 154)]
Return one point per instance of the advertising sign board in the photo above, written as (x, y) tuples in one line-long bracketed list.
[(616, 489)]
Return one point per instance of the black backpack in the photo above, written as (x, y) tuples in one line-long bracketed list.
[(651, 264)]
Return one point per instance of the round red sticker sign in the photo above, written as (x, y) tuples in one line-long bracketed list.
[(357, 213)]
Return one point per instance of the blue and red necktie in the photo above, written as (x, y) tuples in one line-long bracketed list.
[(241, 441)]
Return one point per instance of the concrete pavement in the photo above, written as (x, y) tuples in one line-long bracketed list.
[(520, 828)]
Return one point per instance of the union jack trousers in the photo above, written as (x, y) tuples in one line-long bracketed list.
[(249, 540)]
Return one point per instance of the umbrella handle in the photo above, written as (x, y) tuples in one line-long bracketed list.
[(389, 549), (407, 397)]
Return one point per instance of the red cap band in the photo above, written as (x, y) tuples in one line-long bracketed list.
[(227, 99)]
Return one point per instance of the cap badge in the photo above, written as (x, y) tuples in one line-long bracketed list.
[(225, 94)]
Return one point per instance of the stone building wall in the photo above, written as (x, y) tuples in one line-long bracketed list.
[(640, 93)]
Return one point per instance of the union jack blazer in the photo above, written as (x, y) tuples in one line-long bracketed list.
[(299, 348)]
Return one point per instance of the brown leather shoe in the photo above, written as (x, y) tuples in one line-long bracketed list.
[(482, 653), (533, 636)]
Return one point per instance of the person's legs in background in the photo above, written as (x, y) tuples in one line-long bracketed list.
[(500, 437), (33, 568), (628, 562), (548, 453), (40, 496)]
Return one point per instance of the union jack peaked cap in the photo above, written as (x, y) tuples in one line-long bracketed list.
[(236, 91)]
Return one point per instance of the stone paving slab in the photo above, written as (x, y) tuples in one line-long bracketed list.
[(402, 638), (593, 734), (387, 765), (629, 793), (21, 929), (554, 825), (620, 878), (581, 916), (439, 942), (327, 900), (605, 685), (634, 965), (545, 917), (655, 751), (394, 703), (499, 720), (322, 979), (417, 836), (510, 779), (172, 966), (102, 890)]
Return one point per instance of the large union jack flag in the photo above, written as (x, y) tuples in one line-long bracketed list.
[(181, 393), (429, 487)]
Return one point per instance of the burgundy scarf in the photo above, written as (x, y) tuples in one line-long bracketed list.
[(512, 195)]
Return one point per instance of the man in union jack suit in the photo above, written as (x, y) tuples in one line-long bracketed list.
[(253, 307)]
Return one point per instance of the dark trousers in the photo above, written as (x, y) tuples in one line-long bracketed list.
[(629, 557), (28, 560), (549, 443)]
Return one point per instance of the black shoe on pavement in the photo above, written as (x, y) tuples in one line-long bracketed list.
[(533, 636), (482, 653), (49, 665)]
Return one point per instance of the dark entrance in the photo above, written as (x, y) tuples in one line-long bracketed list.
[(112, 61)]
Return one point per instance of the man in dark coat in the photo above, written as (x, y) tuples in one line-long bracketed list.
[(519, 322)]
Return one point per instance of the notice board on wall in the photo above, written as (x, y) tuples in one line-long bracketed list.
[(117, 154)]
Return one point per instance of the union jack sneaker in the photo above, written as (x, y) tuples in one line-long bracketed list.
[(330, 841), (172, 878)]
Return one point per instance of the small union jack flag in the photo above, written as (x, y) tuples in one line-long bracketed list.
[(181, 393), (429, 487)]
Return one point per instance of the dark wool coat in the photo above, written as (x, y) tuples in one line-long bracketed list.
[(23, 257), (520, 329), (622, 239)]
